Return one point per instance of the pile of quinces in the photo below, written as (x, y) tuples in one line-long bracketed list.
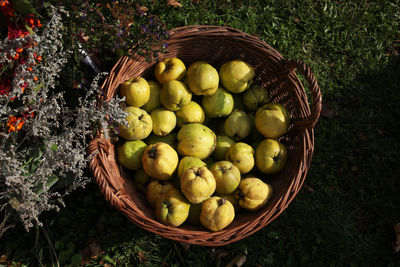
[(196, 136)]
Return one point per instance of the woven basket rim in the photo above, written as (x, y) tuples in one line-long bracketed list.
[(117, 192)]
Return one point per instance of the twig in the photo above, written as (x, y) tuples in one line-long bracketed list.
[(52, 249)]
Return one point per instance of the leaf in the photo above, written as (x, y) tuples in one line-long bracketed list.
[(76, 259), (65, 256), (396, 243), (50, 182), (15, 204), (59, 245), (109, 259), (142, 9), (24, 7), (174, 3)]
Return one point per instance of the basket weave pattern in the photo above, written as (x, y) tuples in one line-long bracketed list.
[(217, 45)]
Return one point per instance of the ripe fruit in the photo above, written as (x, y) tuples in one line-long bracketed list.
[(154, 100), (255, 96), (271, 156), (253, 193), (197, 184), (222, 145), (141, 180), (173, 208), (196, 140), (136, 91), (227, 177), (130, 154), (156, 190), (189, 162), (272, 120), (164, 121), (202, 78), (219, 104), (236, 75), (216, 213), (160, 161), (139, 124), (237, 125), (190, 113), (242, 156), (174, 95), (170, 139), (170, 69)]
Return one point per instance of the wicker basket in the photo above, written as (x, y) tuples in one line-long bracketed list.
[(217, 45)]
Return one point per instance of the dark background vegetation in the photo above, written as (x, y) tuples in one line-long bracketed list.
[(346, 211)]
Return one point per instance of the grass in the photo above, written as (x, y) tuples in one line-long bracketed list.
[(343, 216)]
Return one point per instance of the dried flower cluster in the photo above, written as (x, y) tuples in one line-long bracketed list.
[(42, 140)]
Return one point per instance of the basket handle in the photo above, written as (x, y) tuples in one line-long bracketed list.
[(316, 95)]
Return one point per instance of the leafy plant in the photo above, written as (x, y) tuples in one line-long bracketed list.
[(43, 141)]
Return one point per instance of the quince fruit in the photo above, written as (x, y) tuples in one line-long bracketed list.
[(174, 95), (203, 79), (130, 154), (253, 193), (170, 69), (236, 75), (170, 139), (189, 162), (237, 125), (271, 156), (164, 121), (197, 184), (196, 140), (219, 104), (160, 161), (254, 97), (142, 180), (272, 120), (154, 100), (156, 190), (242, 156), (136, 91), (227, 177), (231, 198), (139, 124), (190, 113), (222, 145), (173, 208), (216, 213)]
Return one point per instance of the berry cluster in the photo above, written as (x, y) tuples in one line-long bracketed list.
[(17, 58)]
